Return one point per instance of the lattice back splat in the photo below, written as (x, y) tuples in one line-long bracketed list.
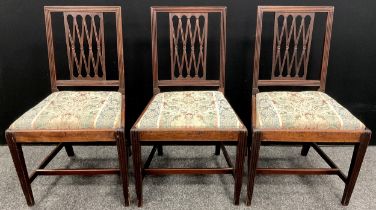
[(188, 45), (84, 35), (292, 44)]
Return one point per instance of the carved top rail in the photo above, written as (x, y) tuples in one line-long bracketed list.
[(85, 43), (293, 29), (188, 31)]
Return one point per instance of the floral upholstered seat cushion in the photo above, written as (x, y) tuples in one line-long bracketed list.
[(302, 110), (189, 109), (74, 110)]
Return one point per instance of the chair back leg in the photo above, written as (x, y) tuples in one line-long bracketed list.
[(69, 150), (217, 149), (160, 150), (305, 149)]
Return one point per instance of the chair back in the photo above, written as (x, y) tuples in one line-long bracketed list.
[(188, 32), (85, 43), (293, 29)]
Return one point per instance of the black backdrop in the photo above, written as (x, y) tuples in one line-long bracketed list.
[(24, 77)]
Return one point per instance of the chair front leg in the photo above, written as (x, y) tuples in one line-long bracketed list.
[(137, 164), (253, 155), (356, 163), (239, 165), (19, 163), (123, 163), (160, 150)]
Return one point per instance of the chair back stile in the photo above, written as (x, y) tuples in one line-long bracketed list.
[(188, 34), (85, 43), (293, 29)]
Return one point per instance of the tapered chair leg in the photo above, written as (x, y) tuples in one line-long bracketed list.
[(136, 148), (356, 163), (305, 149), (160, 150), (239, 166), (19, 163), (123, 164), (69, 150), (217, 149), (253, 155)]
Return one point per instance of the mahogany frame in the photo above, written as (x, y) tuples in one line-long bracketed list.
[(188, 136), (309, 138), (15, 137)]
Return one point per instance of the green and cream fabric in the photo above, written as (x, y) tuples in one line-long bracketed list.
[(74, 110), (302, 110), (189, 109)]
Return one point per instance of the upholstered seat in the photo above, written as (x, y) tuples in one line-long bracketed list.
[(189, 109), (302, 110), (74, 110)]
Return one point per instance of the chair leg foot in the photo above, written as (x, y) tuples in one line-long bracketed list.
[(305, 149), (356, 163), (239, 166), (160, 150), (253, 154), (69, 150), (19, 163), (217, 149), (123, 164), (136, 148)]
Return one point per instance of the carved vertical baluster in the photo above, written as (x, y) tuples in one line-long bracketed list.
[(80, 36), (100, 46), (192, 58), (180, 32), (99, 38), (89, 38), (69, 47), (296, 46), (308, 41), (192, 39), (290, 34), (188, 33)]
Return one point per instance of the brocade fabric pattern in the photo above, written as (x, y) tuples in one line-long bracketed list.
[(302, 110), (189, 109), (74, 110)]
